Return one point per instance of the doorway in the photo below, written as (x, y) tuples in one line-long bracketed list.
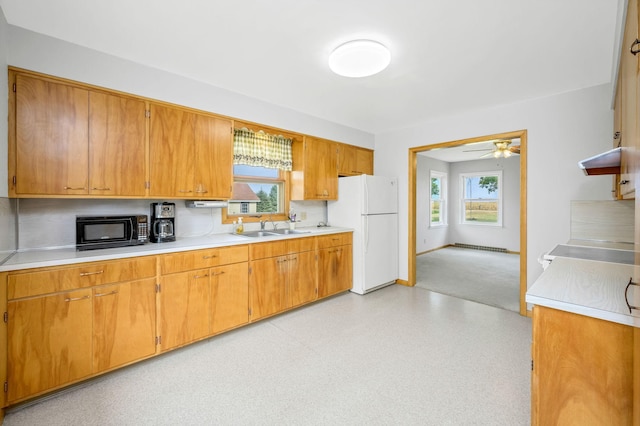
[(413, 161)]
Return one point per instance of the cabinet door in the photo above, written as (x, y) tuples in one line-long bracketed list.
[(334, 270), (321, 169), (51, 138), (364, 161), (49, 342), (267, 286), (302, 278), (124, 323), (629, 80), (346, 160), (117, 162), (229, 296), (171, 152), (582, 371), (184, 307), (213, 158)]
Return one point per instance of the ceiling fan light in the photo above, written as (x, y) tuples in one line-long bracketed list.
[(359, 58), (496, 154), (506, 153)]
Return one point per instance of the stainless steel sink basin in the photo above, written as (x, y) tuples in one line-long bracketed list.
[(289, 232), (271, 233), (257, 234)]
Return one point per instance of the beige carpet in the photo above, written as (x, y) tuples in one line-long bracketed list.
[(491, 278)]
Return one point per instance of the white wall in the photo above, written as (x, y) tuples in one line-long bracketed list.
[(50, 222), (562, 130), (44, 54), (8, 231), (506, 236), (428, 238)]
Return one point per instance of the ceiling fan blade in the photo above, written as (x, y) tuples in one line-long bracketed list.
[(474, 150), (515, 149), (488, 154)]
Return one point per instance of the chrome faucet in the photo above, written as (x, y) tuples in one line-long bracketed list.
[(262, 224), (275, 225)]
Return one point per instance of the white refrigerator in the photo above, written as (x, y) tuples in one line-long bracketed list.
[(369, 205)]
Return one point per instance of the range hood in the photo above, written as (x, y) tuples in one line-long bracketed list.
[(607, 163), (195, 204)]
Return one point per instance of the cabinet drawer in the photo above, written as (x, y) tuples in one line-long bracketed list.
[(282, 248), (199, 259), (37, 282), (334, 240), (271, 249)]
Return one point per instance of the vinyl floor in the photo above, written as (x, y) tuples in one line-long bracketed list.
[(397, 356)]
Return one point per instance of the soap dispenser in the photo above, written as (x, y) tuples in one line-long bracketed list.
[(240, 227)]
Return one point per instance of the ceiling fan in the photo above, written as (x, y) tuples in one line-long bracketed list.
[(501, 149)]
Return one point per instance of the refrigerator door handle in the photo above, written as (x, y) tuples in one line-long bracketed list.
[(366, 233), (366, 195)]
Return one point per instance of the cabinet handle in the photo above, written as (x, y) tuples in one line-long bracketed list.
[(101, 189), (84, 274), (70, 188), (626, 299), (106, 294), (185, 190), (201, 191), (200, 276), (210, 257), (634, 44), (294, 259), (219, 273), (624, 182), (73, 299), (281, 261)]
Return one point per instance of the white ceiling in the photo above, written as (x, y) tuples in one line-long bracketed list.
[(447, 56), (468, 152)]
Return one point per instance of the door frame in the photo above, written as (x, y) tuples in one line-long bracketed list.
[(413, 161)]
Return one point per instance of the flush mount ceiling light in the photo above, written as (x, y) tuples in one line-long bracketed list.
[(359, 58)]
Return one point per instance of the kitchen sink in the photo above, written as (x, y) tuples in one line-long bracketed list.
[(272, 233), (257, 234), (288, 232)]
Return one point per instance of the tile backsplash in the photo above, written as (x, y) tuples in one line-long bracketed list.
[(50, 223)]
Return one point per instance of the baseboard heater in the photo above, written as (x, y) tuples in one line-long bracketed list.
[(486, 248)]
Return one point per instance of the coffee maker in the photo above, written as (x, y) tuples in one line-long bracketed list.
[(163, 216)]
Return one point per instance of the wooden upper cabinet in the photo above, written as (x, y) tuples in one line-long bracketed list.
[(315, 169), (117, 132), (76, 142), (191, 154), (629, 104), (353, 160), (51, 140)]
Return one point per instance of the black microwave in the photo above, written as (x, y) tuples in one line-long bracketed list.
[(98, 232)]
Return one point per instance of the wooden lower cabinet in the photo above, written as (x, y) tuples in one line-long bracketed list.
[(49, 342), (69, 323), (582, 370), (229, 297), (184, 307), (335, 264), (124, 323), (281, 282)]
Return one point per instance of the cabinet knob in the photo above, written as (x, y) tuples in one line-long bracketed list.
[(633, 49), (624, 182)]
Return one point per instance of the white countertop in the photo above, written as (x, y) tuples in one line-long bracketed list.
[(25, 259), (588, 287)]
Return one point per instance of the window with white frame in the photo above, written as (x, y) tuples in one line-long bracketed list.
[(438, 199), (481, 200)]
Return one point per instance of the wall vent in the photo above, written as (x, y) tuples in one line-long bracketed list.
[(485, 248)]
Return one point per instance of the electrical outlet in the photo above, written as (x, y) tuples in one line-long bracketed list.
[(303, 215)]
